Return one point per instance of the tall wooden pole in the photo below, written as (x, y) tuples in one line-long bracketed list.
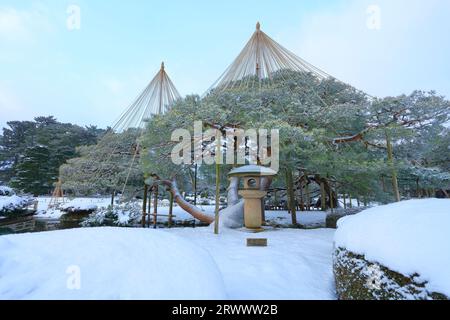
[(218, 150), (195, 184)]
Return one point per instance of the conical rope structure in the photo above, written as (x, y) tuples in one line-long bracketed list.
[(155, 99), (259, 60)]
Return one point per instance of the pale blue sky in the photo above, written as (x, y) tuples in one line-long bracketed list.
[(89, 76)]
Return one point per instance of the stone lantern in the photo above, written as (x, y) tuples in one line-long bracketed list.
[(252, 193)]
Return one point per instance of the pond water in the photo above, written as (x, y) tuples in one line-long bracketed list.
[(71, 221), (34, 224)]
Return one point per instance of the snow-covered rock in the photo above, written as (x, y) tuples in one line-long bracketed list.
[(106, 263), (410, 238)]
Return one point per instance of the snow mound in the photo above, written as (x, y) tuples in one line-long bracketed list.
[(12, 203), (79, 204), (110, 263), (232, 217), (410, 237)]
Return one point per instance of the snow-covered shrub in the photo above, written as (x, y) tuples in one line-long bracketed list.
[(397, 251), (6, 191), (123, 215), (11, 204)]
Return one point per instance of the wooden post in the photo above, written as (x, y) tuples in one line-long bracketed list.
[(155, 206), (218, 163), (170, 209), (195, 184), (144, 205)]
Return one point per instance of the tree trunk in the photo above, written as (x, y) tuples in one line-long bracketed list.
[(308, 195), (345, 202), (112, 198), (170, 209), (144, 206), (291, 196), (155, 206), (390, 154), (331, 200), (323, 196)]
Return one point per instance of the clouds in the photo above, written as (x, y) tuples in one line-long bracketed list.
[(407, 52), (22, 26)]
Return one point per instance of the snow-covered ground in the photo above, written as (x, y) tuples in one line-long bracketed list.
[(296, 265), (106, 263), (46, 212), (410, 237), (308, 218), (184, 263)]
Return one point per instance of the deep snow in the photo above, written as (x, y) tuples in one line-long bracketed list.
[(183, 263), (113, 263), (408, 237)]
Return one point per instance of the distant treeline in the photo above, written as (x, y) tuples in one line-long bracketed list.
[(31, 152)]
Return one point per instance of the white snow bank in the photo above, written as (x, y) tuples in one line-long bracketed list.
[(112, 263), (408, 237), (80, 204), (12, 203)]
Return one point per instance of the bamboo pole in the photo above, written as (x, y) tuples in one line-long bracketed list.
[(216, 219)]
